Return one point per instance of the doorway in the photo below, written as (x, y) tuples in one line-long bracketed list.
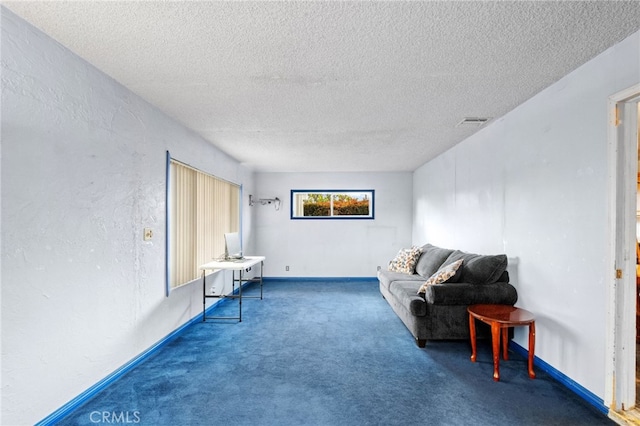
[(620, 389)]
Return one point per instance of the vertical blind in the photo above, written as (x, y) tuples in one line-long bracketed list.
[(202, 209)]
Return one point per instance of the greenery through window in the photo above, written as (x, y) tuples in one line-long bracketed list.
[(332, 204)]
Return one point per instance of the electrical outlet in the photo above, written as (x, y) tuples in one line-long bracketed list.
[(286, 268), (148, 234)]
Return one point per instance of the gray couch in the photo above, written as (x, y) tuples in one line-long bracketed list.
[(441, 312)]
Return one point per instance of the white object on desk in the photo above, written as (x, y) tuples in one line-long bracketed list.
[(240, 265), (232, 246)]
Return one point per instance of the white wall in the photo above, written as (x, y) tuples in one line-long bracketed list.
[(533, 185), (332, 248), (83, 172)]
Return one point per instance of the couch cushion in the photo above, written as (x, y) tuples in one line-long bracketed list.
[(405, 261), (431, 259), (406, 292), (469, 294), (441, 275), (387, 277), (504, 278), (477, 268)]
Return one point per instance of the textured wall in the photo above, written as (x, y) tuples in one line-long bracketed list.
[(332, 248), (533, 185), (83, 172)]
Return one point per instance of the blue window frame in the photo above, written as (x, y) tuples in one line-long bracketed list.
[(332, 204)]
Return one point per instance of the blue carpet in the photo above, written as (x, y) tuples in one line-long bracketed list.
[(327, 353)]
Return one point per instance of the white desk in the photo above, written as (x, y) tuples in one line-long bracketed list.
[(240, 265)]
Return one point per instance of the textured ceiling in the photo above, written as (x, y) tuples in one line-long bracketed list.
[(336, 85)]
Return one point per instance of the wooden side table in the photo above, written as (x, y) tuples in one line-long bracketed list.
[(501, 317)]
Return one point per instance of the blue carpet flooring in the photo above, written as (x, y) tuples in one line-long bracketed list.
[(327, 353)]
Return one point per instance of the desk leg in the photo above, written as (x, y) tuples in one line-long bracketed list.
[(532, 345), (240, 297), (204, 299), (472, 333), (261, 269), (495, 340)]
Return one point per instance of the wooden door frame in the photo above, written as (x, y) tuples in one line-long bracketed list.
[(620, 387)]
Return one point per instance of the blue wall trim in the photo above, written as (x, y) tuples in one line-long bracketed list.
[(72, 405), (564, 379), (315, 279)]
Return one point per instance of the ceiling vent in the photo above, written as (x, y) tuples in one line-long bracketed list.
[(473, 121)]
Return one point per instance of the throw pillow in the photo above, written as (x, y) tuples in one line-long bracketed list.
[(441, 275), (405, 261)]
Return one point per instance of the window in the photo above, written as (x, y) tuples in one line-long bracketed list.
[(343, 204), (200, 208)]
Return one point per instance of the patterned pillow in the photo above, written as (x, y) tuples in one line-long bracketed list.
[(441, 275), (405, 261)]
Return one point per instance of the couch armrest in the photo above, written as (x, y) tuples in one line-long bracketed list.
[(469, 294)]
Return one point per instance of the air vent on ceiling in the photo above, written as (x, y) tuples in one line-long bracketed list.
[(473, 121)]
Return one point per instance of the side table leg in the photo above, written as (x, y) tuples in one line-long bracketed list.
[(495, 337), (472, 334), (505, 343), (532, 346)]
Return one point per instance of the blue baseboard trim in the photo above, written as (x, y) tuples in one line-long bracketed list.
[(316, 279), (564, 379), (72, 405)]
